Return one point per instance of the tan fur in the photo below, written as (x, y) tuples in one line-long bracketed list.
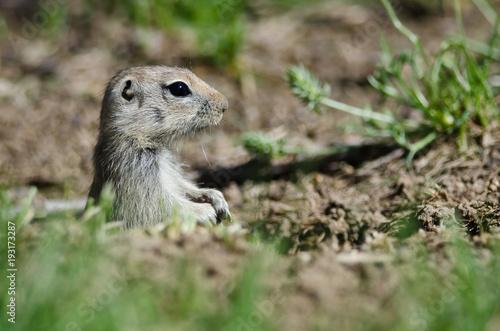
[(141, 121)]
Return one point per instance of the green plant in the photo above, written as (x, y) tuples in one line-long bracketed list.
[(451, 90), (260, 144), (264, 146)]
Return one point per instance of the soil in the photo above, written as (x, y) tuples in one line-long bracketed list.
[(335, 217)]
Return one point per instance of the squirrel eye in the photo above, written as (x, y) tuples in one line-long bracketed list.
[(179, 89)]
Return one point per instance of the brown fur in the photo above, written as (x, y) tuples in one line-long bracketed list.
[(141, 120)]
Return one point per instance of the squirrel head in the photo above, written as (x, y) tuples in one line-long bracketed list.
[(154, 106)]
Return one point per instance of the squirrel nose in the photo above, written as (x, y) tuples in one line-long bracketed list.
[(225, 105)]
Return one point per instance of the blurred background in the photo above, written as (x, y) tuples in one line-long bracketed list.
[(56, 57)]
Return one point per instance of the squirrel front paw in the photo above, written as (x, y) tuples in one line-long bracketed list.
[(204, 212), (216, 200)]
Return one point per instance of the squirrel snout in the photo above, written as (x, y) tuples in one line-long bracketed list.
[(222, 103), (225, 104)]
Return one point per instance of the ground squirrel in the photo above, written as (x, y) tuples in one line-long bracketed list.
[(146, 110)]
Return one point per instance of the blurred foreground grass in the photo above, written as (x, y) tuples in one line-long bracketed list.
[(72, 276)]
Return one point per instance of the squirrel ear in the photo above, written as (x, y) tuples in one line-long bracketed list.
[(127, 91)]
